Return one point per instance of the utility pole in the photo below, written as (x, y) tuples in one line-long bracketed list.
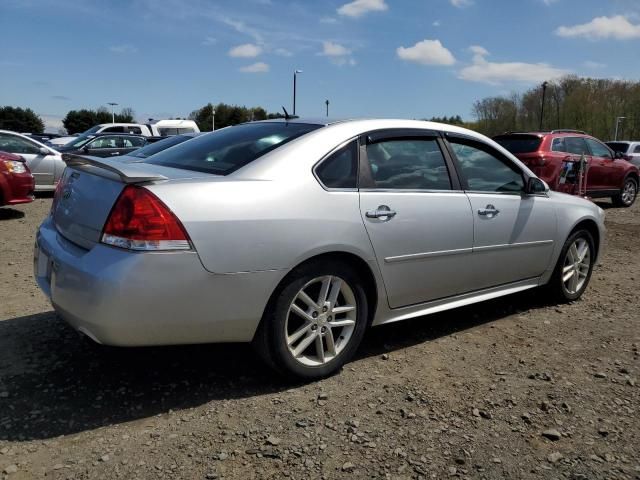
[(327, 104), (213, 117), (544, 93)]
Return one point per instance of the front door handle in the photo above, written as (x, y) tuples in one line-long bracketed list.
[(381, 211), (488, 211), (115, 153)]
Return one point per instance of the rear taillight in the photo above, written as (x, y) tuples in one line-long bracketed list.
[(140, 221)]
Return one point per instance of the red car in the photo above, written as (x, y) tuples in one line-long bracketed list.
[(555, 158), (16, 182)]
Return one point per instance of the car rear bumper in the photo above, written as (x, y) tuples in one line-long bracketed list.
[(16, 188), (124, 298)]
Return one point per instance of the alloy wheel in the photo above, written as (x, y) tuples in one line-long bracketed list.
[(629, 192), (577, 263), (321, 320)]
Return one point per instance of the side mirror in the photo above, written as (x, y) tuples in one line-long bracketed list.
[(44, 151), (536, 186), (618, 155), (85, 149)]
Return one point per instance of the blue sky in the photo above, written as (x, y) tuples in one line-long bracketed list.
[(391, 58)]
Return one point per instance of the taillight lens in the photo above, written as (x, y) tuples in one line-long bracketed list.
[(140, 221)]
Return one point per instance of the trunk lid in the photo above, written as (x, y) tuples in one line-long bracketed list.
[(90, 187)]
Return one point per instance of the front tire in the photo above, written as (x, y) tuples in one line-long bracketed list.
[(573, 270), (315, 321), (628, 194)]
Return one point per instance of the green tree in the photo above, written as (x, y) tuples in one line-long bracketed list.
[(77, 121), (227, 115), (20, 120)]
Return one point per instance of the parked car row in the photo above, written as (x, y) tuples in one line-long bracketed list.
[(555, 157)]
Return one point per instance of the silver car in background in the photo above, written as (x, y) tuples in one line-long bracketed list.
[(45, 163), (297, 235)]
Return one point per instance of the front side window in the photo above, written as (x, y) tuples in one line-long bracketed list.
[(485, 170), (231, 148), (559, 145), (576, 145), (133, 142), (637, 149), (340, 169), (114, 130), (17, 145), (598, 149), (408, 164), (103, 142)]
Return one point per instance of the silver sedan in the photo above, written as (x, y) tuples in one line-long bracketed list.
[(297, 235)]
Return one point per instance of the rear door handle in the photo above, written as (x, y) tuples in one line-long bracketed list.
[(381, 211), (115, 153), (488, 211)]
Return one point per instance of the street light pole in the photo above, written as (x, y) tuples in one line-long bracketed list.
[(615, 137), (213, 118), (327, 103), (113, 117), (295, 76), (544, 92)]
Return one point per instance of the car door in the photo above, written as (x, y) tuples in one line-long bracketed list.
[(104, 146), (513, 232), (42, 165), (417, 217), (606, 173)]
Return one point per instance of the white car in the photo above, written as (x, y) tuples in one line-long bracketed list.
[(160, 128), (45, 163)]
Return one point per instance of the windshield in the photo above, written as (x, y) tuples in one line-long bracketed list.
[(618, 146), (76, 143), (229, 149), (159, 146), (520, 143)]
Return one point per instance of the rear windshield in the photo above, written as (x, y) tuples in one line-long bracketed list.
[(618, 146), (229, 149), (159, 146), (520, 143)]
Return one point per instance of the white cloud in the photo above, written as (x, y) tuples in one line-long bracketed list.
[(123, 49), (209, 41), (461, 3), (436, 23), (258, 67), (594, 65), (248, 50), (427, 52), (618, 27), (283, 52), (331, 49), (495, 73), (357, 8)]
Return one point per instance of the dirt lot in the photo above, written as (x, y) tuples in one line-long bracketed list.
[(514, 388)]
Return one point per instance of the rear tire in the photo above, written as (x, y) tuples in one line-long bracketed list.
[(314, 322), (628, 194), (573, 270)]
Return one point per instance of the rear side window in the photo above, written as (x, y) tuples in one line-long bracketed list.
[(485, 169), (559, 145), (133, 142), (340, 169), (576, 145), (225, 151), (114, 130), (168, 131), (520, 143), (637, 149), (185, 130), (408, 164)]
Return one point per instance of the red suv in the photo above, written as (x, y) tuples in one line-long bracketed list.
[(554, 157), (16, 182)]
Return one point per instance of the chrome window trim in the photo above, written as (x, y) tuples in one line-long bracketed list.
[(407, 190)]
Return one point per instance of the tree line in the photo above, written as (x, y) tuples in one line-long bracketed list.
[(227, 115), (588, 104)]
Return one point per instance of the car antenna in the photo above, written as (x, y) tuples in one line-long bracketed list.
[(286, 114)]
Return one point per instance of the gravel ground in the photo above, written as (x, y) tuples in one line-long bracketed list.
[(513, 388)]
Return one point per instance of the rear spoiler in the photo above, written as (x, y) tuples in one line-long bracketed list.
[(128, 173)]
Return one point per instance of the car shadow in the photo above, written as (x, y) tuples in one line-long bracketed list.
[(8, 213), (55, 382)]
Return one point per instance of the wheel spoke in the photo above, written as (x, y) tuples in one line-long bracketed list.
[(582, 251), (574, 284), (320, 348), (307, 299), (569, 275), (302, 346), (331, 345), (336, 284), (295, 308), (341, 323), (574, 253), (294, 337), (343, 309), (324, 290), (567, 269)]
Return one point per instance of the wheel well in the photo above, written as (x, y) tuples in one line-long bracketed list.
[(592, 228), (357, 263), (633, 175)]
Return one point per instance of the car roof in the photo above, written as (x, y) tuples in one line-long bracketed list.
[(540, 134)]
